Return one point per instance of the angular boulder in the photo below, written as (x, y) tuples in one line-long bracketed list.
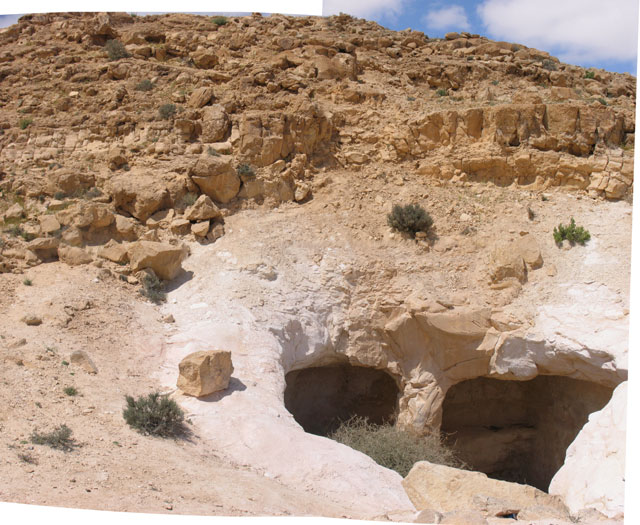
[(215, 124), (73, 255), (216, 178), (205, 372), (447, 489), (202, 210), (164, 259), (507, 263)]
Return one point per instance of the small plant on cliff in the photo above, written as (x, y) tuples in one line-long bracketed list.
[(167, 111), (441, 92), (549, 65), (220, 20), (410, 219), (589, 74), (153, 289), (394, 448), (246, 170), (60, 439), (25, 123), (572, 233), (116, 50), (144, 85), (154, 415)]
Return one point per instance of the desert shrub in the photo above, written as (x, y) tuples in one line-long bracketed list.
[(394, 448), (71, 391), (144, 85), (589, 74), (15, 230), (246, 170), (60, 439), (116, 50), (153, 289), (24, 123), (27, 282), (411, 219), (188, 199), (549, 65), (220, 20), (602, 101), (154, 415), (167, 110), (212, 152), (572, 233), (441, 92)]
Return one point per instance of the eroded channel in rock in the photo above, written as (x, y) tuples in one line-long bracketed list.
[(319, 398), (519, 430)]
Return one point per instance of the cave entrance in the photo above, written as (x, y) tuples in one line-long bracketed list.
[(518, 430), (319, 398)]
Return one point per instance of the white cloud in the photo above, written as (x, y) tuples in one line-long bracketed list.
[(453, 17), (576, 30), (363, 8)]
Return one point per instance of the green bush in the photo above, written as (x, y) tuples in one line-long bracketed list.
[(60, 439), (189, 199), (572, 233), (116, 50), (167, 110), (144, 85), (25, 123), (411, 219), (154, 415), (153, 289), (246, 170), (441, 92), (71, 391), (27, 282), (219, 20), (549, 65), (394, 448), (589, 74)]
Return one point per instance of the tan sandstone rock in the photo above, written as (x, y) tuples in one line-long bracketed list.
[(164, 259), (202, 209), (216, 177), (446, 489), (205, 372)]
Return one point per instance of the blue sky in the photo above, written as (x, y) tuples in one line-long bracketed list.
[(590, 33)]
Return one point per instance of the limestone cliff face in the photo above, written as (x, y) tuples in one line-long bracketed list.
[(184, 102)]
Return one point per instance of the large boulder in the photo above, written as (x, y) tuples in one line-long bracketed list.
[(202, 210), (73, 255), (205, 372), (593, 475), (137, 193), (216, 178), (164, 259), (447, 489), (215, 124), (200, 97)]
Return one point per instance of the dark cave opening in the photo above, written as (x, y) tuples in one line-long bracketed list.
[(518, 431), (320, 398)]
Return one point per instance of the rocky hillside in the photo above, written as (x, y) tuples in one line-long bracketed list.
[(114, 125), (250, 164)]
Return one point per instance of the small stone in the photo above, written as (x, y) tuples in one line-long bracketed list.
[(168, 319), (82, 359), (31, 320)]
